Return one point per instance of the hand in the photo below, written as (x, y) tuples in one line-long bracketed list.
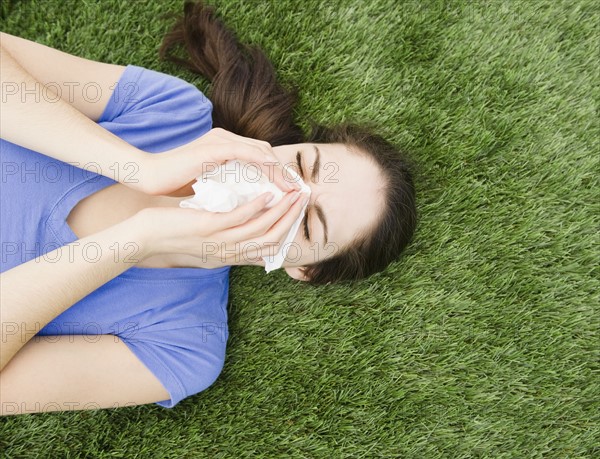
[(173, 173), (220, 239)]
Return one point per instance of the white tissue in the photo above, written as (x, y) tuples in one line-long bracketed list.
[(234, 184)]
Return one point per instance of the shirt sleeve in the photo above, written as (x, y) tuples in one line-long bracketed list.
[(181, 342), (155, 111), (179, 329), (174, 320), (185, 360)]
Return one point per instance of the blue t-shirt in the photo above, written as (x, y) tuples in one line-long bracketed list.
[(173, 319)]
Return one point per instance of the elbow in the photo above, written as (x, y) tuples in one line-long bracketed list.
[(211, 373), (206, 375)]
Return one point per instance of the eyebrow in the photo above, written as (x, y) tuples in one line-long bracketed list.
[(316, 165), (313, 177)]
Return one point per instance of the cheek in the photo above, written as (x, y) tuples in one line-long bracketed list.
[(300, 252)]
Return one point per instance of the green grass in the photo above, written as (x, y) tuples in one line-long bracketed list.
[(482, 341)]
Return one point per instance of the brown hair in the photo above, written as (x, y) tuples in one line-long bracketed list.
[(249, 101)]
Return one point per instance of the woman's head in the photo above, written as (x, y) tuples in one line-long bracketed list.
[(363, 188), (347, 191)]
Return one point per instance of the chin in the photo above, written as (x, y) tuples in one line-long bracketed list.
[(296, 273)]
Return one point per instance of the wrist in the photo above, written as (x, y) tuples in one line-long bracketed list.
[(139, 230), (132, 168)]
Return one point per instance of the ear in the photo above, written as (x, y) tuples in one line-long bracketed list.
[(296, 273)]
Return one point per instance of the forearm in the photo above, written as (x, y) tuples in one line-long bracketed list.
[(36, 118), (34, 293)]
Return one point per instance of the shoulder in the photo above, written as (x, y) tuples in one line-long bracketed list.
[(141, 90), (183, 336), (156, 112)]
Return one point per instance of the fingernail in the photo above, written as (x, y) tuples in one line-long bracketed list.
[(269, 197), (295, 196)]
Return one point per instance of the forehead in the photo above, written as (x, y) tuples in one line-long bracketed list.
[(349, 188)]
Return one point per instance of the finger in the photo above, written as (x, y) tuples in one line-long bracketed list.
[(258, 226), (184, 191), (271, 167), (278, 232), (223, 152), (259, 157), (253, 251), (272, 242), (243, 213), (232, 137), (222, 136), (280, 176)]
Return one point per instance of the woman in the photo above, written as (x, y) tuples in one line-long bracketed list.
[(123, 292)]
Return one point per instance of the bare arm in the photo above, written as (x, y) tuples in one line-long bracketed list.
[(42, 94), (35, 292), (70, 372), (85, 84), (76, 372), (60, 125), (73, 372)]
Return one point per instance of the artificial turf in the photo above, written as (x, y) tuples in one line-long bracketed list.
[(482, 340)]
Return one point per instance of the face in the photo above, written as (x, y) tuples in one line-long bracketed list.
[(346, 199)]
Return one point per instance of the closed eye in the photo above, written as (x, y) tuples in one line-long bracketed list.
[(305, 221)]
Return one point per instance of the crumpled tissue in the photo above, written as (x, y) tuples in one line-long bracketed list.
[(233, 184)]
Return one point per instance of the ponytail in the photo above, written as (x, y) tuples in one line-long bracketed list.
[(247, 99)]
